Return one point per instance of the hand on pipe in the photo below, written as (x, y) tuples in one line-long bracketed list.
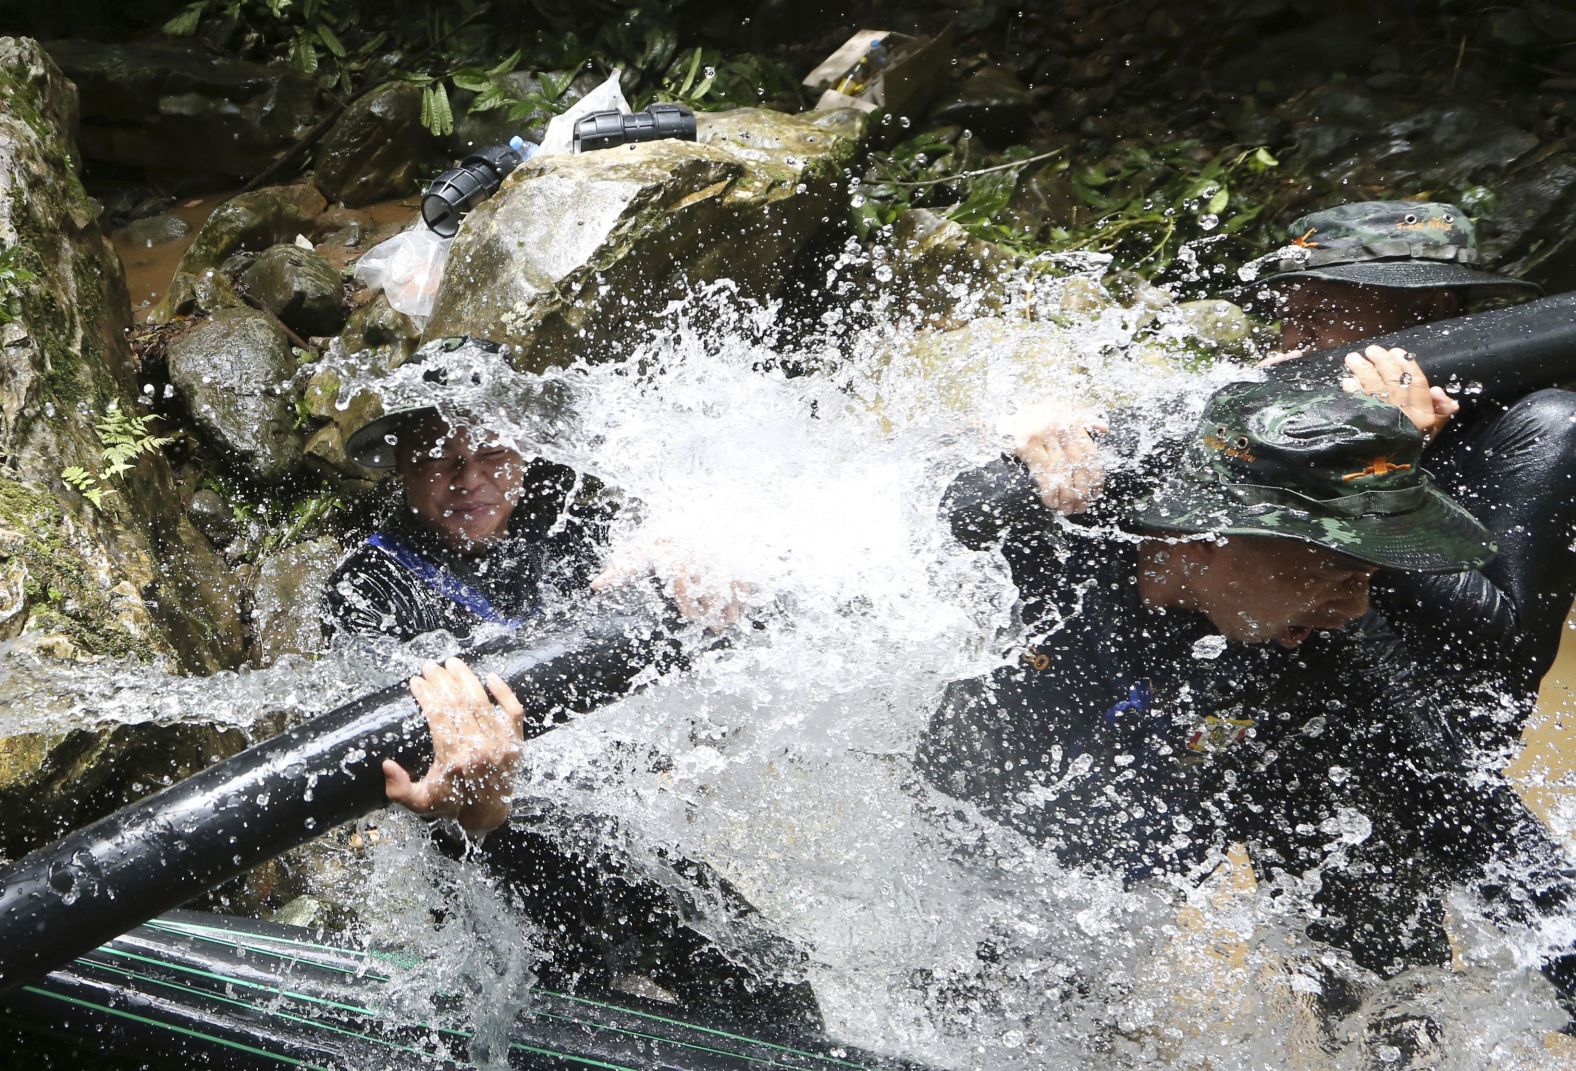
[(1057, 443), (476, 747), (1391, 375)]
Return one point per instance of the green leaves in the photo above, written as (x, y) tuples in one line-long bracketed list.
[(13, 277), (124, 438), (436, 115), (186, 22)]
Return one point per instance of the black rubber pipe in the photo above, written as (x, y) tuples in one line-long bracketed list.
[(1501, 355), (67, 898), (1510, 351)]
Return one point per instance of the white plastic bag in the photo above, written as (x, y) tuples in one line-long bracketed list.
[(409, 268), (560, 135)]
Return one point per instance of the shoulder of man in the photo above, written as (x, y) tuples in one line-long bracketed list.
[(372, 593)]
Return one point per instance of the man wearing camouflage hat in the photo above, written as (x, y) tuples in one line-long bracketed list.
[(1359, 271), (1202, 652)]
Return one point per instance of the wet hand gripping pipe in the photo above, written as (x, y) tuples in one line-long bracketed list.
[(1499, 355), (67, 898)]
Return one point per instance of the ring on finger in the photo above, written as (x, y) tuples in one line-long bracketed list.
[(1405, 379)]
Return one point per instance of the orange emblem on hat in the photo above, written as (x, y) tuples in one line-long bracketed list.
[(1379, 466)]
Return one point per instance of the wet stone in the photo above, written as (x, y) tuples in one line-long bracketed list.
[(287, 610), (299, 287), (991, 101), (248, 221), (377, 149), (234, 371), (212, 517), (156, 230)]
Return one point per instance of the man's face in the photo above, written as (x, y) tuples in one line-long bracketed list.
[(1258, 588), (1320, 314), (461, 488)]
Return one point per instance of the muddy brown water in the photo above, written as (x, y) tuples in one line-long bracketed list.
[(149, 266)]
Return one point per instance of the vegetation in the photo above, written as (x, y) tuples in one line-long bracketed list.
[(124, 438), (451, 50), (1141, 204), (13, 277)]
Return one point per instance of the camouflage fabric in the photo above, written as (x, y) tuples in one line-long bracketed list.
[(1318, 465), (372, 445), (1402, 244)]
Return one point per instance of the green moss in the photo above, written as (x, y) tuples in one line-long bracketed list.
[(63, 594)]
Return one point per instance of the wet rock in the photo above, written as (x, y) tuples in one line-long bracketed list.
[(380, 331), (299, 287), (1534, 220), (991, 101), (287, 602), (234, 371), (376, 149), (52, 783), (156, 230), (174, 105), (254, 221), (574, 254), (944, 271), (206, 293), (1217, 324), (129, 576), (344, 234), (212, 517)]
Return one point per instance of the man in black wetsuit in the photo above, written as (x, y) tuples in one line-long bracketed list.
[(480, 536), (1203, 667), (1359, 271)]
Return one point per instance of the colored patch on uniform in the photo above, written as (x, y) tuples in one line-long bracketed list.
[(1140, 697), (1218, 734)]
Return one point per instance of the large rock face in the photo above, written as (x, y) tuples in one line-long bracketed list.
[(130, 574), (226, 116), (129, 577), (577, 252)]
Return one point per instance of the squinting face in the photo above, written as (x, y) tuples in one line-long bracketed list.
[(461, 489), (1258, 588)]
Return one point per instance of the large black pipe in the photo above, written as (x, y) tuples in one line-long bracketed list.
[(1498, 355), (1507, 352), (71, 896)]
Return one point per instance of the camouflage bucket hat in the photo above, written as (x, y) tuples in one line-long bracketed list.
[(373, 446), (1318, 465), (1407, 245)]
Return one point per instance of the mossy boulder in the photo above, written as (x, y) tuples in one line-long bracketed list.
[(247, 221), (944, 272), (129, 575), (576, 253), (299, 287), (236, 373), (377, 148)]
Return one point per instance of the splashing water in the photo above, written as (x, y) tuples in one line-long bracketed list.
[(785, 755)]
